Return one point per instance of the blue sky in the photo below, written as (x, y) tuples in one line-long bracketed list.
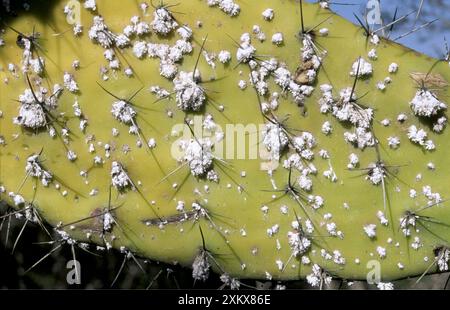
[(429, 40)]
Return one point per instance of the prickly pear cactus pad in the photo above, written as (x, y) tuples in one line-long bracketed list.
[(256, 139)]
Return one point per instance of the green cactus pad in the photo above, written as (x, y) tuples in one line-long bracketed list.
[(246, 215)]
